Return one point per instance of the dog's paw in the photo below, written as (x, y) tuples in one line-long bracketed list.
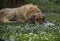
[(48, 24)]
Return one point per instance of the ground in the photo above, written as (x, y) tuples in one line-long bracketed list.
[(31, 32)]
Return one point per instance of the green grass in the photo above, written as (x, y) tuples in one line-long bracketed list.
[(31, 32)]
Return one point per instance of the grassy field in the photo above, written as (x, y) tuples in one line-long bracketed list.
[(31, 32)]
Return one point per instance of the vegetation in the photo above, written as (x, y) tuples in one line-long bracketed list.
[(31, 32)]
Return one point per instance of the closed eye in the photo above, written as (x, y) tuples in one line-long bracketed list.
[(41, 19), (36, 19)]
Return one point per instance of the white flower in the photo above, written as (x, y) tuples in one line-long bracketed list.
[(30, 33)]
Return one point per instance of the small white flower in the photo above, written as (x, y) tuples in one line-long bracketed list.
[(30, 33), (42, 32), (59, 31), (46, 38), (50, 34), (35, 34)]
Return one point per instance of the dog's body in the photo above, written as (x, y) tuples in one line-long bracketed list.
[(26, 13)]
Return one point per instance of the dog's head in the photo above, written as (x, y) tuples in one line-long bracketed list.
[(37, 18), (35, 15)]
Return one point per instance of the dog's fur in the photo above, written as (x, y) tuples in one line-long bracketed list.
[(27, 13)]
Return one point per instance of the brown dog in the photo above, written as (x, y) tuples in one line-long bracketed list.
[(27, 13)]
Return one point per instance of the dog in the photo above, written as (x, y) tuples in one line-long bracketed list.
[(28, 13)]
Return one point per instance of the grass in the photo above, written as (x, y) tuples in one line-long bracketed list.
[(31, 32)]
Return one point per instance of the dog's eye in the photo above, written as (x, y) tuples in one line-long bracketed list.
[(41, 19), (36, 19)]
